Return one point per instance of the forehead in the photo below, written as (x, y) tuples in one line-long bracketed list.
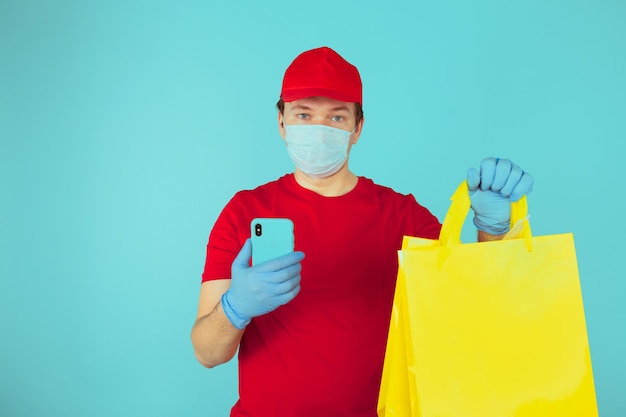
[(320, 104)]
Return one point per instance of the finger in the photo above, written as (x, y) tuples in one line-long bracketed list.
[(473, 179), (282, 275), (242, 259), (487, 172), (513, 179), (523, 187), (286, 297), (286, 286), (281, 262), (502, 171)]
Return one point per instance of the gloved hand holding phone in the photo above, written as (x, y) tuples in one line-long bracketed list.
[(257, 290)]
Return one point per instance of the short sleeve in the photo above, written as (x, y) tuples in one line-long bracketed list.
[(224, 242), (420, 221)]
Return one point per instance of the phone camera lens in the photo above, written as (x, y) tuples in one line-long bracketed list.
[(257, 229)]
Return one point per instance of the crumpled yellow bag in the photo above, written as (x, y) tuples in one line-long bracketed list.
[(489, 329)]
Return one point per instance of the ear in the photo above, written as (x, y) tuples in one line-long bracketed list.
[(357, 131), (281, 125)]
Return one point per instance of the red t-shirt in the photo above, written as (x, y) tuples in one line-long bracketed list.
[(322, 353)]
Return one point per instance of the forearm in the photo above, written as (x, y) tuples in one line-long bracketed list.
[(215, 340), (486, 237)]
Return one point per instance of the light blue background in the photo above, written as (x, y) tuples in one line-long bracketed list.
[(126, 126)]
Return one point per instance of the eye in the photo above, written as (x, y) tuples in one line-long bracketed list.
[(302, 116), (338, 119)]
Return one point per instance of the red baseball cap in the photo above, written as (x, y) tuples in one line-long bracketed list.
[(322, 72)]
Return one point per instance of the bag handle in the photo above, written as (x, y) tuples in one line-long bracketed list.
[(450, 235)]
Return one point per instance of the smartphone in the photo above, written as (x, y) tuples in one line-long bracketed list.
[(271, 238)]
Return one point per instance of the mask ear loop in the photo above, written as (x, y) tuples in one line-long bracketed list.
[(352, 141)]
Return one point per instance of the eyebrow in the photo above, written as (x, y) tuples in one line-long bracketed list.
[(300, 107), (307, 108)]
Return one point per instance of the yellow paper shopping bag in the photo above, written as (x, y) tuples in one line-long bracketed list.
[(490, 329)]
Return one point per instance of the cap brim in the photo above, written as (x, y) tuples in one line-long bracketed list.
[(300, 93)]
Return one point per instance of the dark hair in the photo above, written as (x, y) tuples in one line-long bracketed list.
[(357, 106)]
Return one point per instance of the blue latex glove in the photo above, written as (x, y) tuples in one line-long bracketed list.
[(492, 190), (262, 288)]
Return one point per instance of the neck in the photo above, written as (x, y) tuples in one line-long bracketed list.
[(335, 185)]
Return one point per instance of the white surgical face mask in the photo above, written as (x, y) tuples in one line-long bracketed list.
[(317, 150)]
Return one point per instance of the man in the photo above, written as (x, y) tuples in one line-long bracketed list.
[(311, 330)]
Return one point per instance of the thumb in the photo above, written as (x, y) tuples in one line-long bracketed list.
[(473, 179), (243, 257)]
